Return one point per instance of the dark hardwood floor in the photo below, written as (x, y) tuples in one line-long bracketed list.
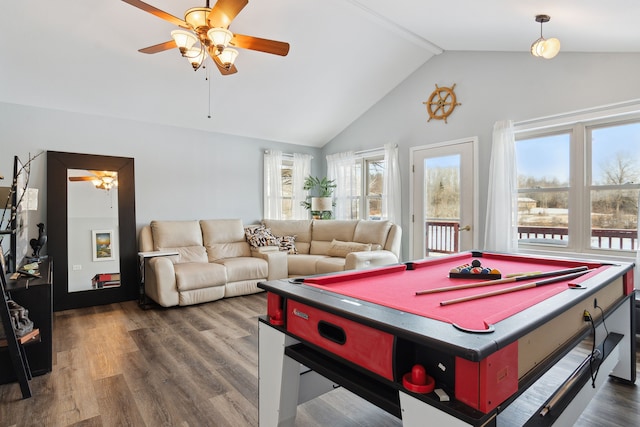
[(119, 365)]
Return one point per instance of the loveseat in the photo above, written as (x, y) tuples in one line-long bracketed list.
[(327, 246), (214, 261)]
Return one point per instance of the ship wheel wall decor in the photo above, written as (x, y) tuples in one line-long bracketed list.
[(441, 103)]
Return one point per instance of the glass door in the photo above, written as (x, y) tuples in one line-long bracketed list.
[(443, 198)]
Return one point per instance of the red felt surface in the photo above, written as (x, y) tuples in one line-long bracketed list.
[(395, 288)]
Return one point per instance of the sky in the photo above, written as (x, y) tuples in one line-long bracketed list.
[(549, 156)]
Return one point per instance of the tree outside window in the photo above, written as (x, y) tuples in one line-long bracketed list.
[(615, 172), (286, 172)]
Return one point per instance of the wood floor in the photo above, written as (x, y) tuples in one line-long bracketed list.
[(119, 365)]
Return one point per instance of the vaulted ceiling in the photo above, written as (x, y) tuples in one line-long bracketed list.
[(82, 56)]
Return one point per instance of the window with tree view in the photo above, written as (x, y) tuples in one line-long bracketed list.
[(543, 165), (286, 171), (578, 187), (368, 186), (373, 196), (615, 181)]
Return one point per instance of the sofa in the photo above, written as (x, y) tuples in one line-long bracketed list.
[(219, 258), (327, 246), (214, 261)]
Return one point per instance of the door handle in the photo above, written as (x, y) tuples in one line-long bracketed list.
[(465, 228)]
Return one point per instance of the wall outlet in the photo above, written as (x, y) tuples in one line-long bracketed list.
[(77, 267)]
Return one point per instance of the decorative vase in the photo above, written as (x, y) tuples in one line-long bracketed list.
[(321, 204)]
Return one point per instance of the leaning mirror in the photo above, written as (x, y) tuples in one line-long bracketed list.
[(91, 229)]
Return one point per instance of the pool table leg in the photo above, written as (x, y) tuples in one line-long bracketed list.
[(278, 379), (622, 321), (415, 412)]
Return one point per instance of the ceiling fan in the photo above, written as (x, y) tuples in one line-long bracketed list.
[(105, 180), (208, 32)]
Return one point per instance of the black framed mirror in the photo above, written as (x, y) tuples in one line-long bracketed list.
[(83, 245)]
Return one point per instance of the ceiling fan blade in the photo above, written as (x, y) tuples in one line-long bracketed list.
[(82, 178), (262, 45), (224, 71), (157, 12), (224, 11), (160, 47)]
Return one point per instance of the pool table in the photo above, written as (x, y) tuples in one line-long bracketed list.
[(420, 340)]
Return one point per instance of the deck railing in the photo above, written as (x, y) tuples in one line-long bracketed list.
[(443, 236)]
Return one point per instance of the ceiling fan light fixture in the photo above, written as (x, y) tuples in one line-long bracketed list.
[(210, 35), (184, 40), (197, 17), (220, 38), (228, 57), (195, 56), (545, 48), (106, 182)]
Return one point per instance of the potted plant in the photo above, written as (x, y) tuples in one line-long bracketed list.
[(320, 200)]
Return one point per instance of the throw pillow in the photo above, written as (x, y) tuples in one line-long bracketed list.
[(341, 249), (261, 236), (287, 243)]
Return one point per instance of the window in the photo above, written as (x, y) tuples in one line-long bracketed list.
[(286, 173), (283, 184), (374, 187), (543, 165), (367, 203), (578, 186), (615, 181), (368, 186)]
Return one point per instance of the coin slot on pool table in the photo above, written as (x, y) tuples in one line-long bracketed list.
[(332, 332)]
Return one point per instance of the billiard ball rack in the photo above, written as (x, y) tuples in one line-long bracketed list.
[(474, 270)]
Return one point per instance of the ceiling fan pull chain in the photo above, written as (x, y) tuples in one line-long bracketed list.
[(209, 83)]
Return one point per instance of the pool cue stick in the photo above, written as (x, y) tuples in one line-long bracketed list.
[(569, 382), (527, 273), (516, 288), (505, 280)]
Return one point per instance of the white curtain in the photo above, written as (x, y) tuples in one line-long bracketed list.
[(636, 272), (341, 169), (391, 191), (501, 231), (272, 184), (301, 169)]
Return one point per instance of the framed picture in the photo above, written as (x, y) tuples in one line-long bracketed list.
[(101, 243)]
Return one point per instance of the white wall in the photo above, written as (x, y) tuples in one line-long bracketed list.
[(180, 173), (491, 86)]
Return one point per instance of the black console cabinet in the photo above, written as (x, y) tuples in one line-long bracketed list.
[(35, 295)]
